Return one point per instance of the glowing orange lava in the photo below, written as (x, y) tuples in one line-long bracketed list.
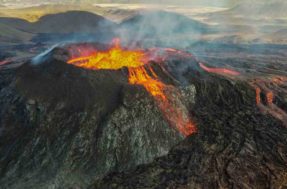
[(269, 97), (258, 98), (177, 116), (267, 105), (3, 62), (115, 58), (279, 79), (219, 70), (140, 73), (139, 76)]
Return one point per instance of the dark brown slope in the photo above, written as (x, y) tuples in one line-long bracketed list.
[(68, 22), (16, 23), (56, 28), (236, 147), (71, 22)]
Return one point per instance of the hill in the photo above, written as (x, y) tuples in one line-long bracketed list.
[(163, 22), (11, 34), (273, 9), (166, 27), (61, 26), (68, 22), (278, 37)]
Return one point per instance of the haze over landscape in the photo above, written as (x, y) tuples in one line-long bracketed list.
[(245, 21), (100, 94)]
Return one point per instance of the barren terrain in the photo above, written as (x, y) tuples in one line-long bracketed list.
[(142, 96)]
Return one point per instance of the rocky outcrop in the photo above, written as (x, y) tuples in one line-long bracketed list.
[(236, 147)]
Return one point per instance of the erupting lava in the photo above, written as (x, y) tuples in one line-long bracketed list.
[(115, 58), (140, 73), (177, 116)]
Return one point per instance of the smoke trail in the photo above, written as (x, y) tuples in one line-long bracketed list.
[(160, 28), (42, 57)]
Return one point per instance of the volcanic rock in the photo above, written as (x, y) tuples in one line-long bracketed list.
[(236, 147), (63, 126)]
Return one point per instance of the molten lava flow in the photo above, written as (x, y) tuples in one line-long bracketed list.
[(269, 106), (3, 62), (139, 76), (219, 70), (257, 93), (269, 97), (140, 73), (114, 59), (177, 116), (279, 80)]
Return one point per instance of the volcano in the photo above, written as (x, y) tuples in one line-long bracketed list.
[(112, 116), (56, 100)]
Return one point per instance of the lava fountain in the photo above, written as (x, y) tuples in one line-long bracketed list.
[(140, 73)]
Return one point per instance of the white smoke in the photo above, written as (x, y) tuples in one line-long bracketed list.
[(40, 58), (154, 28)]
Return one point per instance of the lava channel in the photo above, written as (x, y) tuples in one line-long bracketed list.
[(221, 71), (268, 106), (3, 62)]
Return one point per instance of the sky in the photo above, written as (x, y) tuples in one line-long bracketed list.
[(217, 3), (209, 3)]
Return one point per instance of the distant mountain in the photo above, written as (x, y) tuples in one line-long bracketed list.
[(278, 37), (71, 22), (61, 26), (16, 23), (68, 22), (257, 9), (12, 35), (161, 22), (162, 26)]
